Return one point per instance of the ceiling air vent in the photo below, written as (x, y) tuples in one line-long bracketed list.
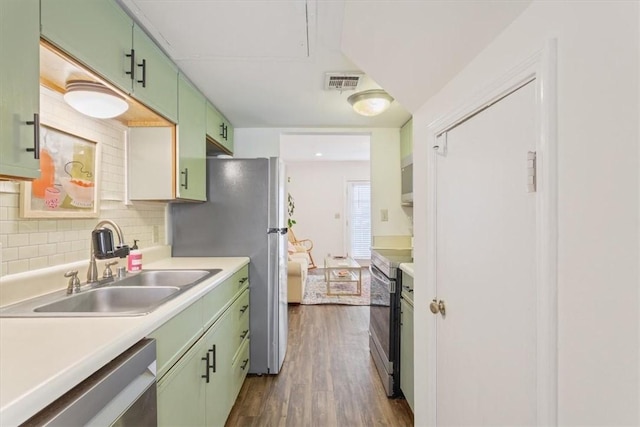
[(342, 81)]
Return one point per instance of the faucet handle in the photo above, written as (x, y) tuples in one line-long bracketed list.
[(74, 282), (107, 270)]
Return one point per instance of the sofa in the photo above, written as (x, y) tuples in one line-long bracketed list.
[(298, 266)]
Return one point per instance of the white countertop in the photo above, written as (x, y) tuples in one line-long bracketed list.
[(407, 267), (42, 358)]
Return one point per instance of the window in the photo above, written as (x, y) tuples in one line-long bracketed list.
[(359, 219)]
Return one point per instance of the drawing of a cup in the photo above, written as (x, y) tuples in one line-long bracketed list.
[(51, 197)]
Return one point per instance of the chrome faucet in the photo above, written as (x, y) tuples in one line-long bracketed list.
[(121, 251)]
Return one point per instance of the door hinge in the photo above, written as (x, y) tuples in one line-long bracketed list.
[(531, 172)]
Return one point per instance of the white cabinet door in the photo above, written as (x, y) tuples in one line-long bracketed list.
[(486, 268)]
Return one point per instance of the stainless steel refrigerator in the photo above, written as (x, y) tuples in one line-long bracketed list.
[(245, 216)]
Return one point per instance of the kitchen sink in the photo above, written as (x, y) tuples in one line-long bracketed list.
[(135, 295), (111, 300), (177, 278)]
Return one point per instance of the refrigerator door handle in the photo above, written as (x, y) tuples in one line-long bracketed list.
[(283, 231)]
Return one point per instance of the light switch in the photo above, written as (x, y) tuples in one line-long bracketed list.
[(337, 215), (384, 215)]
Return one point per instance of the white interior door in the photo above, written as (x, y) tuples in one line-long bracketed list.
[(486, 268)]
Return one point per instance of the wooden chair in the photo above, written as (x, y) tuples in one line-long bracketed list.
[(304, 245)]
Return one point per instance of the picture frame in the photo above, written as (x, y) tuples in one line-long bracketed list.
[(68, 186)]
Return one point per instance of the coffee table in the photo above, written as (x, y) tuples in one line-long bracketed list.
[(342, 270)]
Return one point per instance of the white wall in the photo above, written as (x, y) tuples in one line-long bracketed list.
[(598, 138), (384, 162), (319, 190)]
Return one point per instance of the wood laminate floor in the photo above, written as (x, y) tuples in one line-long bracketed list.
[(328, 377)]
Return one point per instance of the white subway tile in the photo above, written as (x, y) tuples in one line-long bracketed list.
[(55, 237), (18, 240), (40, 262), (9, 254), (48, 225), (56, 259), (20, 266), (48, 249), (38, 238), (8, 227), (28, 226), (64, 247), (25, 252)]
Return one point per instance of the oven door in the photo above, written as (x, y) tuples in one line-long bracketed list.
[(383, 325)]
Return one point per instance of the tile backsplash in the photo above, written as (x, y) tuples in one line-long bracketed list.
[(31, 244)]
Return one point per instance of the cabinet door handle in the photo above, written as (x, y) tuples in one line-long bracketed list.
[(36, 136), (244, 364), (225, 131), (143, 65), (132, 62), (241, 281), (244, 308), (244, 333), (206, 368), (222, 130), (212, 350), (185, 172)]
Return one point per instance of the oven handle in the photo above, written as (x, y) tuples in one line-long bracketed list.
[(391, 284)]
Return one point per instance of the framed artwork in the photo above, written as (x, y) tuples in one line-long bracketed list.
[(68, 184)]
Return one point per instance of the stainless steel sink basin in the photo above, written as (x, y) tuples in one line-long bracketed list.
[(178, 278), (111, 300), (134, 295)]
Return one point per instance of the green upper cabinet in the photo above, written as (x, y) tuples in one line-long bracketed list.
[(100, 35), (406, 139), (19, 87), (96, 33), (219, 129), (156, 77), (191, 148)]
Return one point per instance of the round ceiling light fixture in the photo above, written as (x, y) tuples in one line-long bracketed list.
[(370, 102), (94, 99)]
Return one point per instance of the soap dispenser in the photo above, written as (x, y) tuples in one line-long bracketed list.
[(134, 262)]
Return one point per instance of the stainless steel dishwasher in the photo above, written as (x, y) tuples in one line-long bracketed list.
[(121, 393)]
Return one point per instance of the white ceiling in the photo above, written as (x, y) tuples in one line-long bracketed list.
[(332, 147), (426, 43), (263, 62)]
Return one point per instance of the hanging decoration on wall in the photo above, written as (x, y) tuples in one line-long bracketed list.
[(68, 184)]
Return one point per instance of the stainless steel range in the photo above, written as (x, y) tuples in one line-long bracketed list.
[(384, 319)]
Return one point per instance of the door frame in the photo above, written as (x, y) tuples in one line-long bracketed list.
[(541, 69)]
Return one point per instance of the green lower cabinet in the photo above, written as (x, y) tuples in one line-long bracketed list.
[(182, 392), (197, 391), (406, 351), (198, 386)]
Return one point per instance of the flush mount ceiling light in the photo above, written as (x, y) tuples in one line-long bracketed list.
[(370, 102), (94, 99)]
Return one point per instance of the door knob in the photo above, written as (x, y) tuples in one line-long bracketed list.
[(437, 307)]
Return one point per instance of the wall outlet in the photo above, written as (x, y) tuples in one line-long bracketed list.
[(384, 215), (155, 234)]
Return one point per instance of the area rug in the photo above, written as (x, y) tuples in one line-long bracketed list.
[(316, 290)]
